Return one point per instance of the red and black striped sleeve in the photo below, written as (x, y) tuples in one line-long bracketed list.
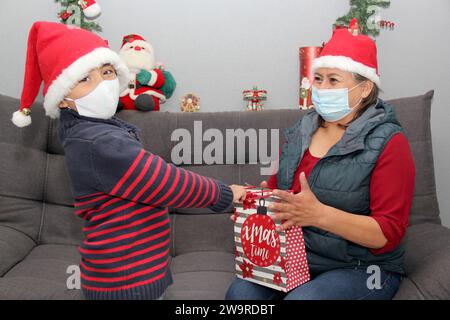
[(122, 168)]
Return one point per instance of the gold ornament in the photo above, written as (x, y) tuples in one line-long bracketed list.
[(26, 111), (190, 103)]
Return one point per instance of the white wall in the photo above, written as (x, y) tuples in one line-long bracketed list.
[(217, 48)]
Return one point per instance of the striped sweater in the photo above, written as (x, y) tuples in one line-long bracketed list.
[(122, 192)]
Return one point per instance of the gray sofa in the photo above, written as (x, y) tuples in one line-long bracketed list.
[(39, 232)]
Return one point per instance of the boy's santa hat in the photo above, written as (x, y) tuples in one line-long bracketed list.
[(61, 56), (349, 51)]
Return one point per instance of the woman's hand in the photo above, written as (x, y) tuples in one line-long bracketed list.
[(238, 193), (301, 209)]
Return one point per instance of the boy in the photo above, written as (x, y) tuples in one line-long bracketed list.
[(120, 189)]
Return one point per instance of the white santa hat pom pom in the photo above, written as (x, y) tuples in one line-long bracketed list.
[(93, 11), (21, 120)]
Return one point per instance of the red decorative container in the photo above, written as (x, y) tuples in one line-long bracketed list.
[(306, 55)]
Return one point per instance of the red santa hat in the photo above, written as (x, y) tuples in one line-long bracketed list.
[(349, 51), (132, 38), (61, 56)]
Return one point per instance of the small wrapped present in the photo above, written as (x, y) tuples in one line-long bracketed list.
[(263, 255)]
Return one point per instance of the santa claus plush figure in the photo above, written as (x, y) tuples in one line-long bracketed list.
[(150, 84)]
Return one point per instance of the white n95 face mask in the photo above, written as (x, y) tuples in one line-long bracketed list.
[(101, 102)]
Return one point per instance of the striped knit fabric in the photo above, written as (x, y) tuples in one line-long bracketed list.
[(125, 252)]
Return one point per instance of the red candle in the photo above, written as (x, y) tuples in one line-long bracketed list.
[(307, 55)]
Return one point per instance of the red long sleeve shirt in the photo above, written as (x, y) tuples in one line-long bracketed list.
[(391, 188)]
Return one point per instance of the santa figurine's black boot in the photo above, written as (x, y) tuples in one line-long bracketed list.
[(144, 102)]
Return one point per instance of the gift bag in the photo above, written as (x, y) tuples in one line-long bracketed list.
[(264, 256)]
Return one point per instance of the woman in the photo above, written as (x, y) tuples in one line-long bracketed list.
[(352, 173)]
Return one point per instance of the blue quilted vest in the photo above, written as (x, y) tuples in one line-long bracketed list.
[(341, 179)]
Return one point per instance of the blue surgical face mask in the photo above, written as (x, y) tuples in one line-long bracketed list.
[(332, 104)]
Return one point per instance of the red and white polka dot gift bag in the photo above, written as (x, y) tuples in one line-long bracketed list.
[(263, 255)]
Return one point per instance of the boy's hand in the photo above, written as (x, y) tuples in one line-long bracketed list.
[(236, 189), (238, 193)]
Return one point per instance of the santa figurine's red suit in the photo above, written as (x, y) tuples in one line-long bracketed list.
[(150, 85)]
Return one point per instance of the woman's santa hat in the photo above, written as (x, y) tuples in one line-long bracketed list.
[(61, 56), (349, 51)]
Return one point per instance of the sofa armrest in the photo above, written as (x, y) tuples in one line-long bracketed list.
[(427, 263), (14, 246)]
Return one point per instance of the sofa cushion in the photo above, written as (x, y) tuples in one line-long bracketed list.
[(21, 215), (427, 262), (60, 226), (414, 115), (42, 275), (202, 275), (408, 291), (194, 233), (34, 136), (32, 288), (14, 246)]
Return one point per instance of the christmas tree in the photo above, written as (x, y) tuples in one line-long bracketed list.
[(71, 13), (366, 11)]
